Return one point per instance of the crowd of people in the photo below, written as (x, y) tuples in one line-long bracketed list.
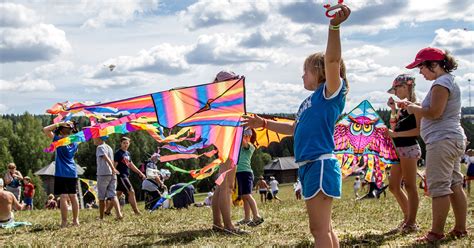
[(436, 118)]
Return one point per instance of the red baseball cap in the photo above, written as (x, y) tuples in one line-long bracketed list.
[(426, 54)]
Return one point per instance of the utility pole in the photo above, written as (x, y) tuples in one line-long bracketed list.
[(469, 83)]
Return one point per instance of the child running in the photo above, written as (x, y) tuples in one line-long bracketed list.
[(313, 130)]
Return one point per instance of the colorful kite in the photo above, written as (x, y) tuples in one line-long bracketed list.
[(207, 115), (362, 143)]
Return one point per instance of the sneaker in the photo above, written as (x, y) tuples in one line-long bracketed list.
[(243, 222), (256, 222)]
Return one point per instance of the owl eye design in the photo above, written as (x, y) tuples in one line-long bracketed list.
[(356, 128), (368, 129)]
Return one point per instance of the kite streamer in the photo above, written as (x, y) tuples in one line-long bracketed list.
[(205, 115)]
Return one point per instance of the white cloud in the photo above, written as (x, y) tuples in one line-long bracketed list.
[(273, 97), (458, 41), (16, 16), (207, 13), (3, 108), (164, 59), (222, 49), (26, 85), (109, 13), (24, 41), (366, 51)]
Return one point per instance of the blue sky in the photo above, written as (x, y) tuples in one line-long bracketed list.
[(55, 51)]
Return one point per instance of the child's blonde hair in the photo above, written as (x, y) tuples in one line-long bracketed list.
[(314, 63), (50, 196)]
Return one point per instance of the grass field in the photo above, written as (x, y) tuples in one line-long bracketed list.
[(357, 223)]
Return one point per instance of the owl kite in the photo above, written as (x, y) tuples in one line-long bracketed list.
[(362, 143)]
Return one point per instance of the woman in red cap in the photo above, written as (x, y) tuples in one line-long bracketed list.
[(405, 129), (445, 140)]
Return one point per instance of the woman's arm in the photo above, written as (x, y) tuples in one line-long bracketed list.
[(332, 58), (436, 108)]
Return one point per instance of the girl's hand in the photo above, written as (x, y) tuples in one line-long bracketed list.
[(392, 133), (252, 121), (341, 15), (391, 103)]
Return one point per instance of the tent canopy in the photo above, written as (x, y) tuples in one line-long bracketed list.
[(284, 163), (50, 169)]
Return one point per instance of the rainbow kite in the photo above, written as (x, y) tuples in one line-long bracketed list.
[(207, 115), (362, 143)]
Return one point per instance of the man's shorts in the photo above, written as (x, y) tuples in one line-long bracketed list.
[(106, 187), (244, 182), (321, 175), (443, 166), (65, 185), (28, 201), (124, 185)]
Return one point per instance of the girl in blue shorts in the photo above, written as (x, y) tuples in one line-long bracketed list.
[(313, 130)]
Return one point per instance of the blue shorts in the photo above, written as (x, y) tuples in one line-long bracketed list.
[(28, 201), (244, 182), (321, 175)]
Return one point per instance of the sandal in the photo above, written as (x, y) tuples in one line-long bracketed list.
[(256, 222), (410, 228), (236, 231), (430, 237), (243, 222), (457, 234), (216, 228)]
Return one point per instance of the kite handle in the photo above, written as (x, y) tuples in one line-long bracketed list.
[(330, 8)]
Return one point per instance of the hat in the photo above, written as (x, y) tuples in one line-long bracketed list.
[(400, 80), (27, 178), (225, 76), (427, 54)]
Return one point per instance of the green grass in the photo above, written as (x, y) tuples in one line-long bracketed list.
[(357, 223)]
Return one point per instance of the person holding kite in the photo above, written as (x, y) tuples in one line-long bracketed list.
[(221, 201), (65, 176), (245, 179), (445, 140), (313, 130), (405, 129)]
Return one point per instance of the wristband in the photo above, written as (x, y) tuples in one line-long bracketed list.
[(56, 125), (334, 27)]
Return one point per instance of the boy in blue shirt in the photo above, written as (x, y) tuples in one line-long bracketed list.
[(65, 176)]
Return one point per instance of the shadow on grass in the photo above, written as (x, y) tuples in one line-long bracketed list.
[(175, 238), (367, 239), (30, 229)]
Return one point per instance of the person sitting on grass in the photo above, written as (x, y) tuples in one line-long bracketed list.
[(51, 203), (8, 203)]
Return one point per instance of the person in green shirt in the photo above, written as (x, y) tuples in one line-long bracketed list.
[(244, 178)]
